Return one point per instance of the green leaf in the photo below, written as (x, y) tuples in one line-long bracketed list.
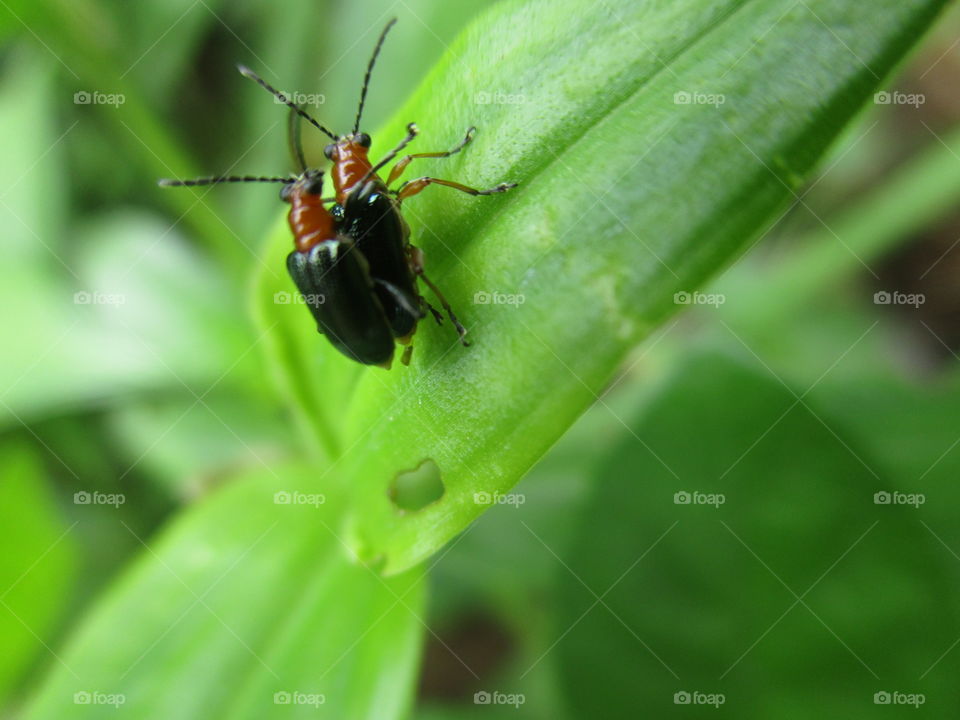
[(627, 196), (137, 313), (36, 571), (704, 598), (242, 599), (913, 197)]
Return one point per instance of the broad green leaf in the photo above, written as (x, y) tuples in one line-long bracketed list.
[(701, 597), (36, 567), (633, 188), (140, 311), (245, 604)]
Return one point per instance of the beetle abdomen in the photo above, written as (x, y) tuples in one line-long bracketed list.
[(334, 279)]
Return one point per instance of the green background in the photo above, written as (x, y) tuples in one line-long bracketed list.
[(589, 591)]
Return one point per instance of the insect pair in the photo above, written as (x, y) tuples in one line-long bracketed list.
[(353, 262)]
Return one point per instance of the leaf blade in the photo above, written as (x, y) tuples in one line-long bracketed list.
[(672, 191)]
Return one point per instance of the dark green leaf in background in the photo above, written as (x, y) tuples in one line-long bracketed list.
[(798, 592)]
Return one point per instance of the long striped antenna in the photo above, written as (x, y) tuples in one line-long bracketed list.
[(366, 78), (217, 179), (248, 73), (296, 145)]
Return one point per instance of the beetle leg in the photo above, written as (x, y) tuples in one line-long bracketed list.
[(416, 265), (433, 311), (398, 169), (412, 187), (412, 132)]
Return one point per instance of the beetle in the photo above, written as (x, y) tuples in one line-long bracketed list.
[(370, 211)]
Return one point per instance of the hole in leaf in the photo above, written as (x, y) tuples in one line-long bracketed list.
[(413, 490)]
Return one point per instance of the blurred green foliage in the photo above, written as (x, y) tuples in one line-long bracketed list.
[(587, 590)]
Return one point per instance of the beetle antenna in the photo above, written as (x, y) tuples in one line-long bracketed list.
[(248, 73), (217, 179), (296, 145), (366, 78)]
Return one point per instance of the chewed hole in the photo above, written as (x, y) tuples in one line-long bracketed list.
[(413, 490)]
